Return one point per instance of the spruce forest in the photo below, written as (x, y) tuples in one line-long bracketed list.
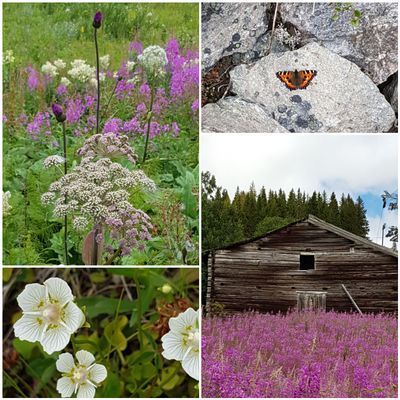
[(251, 214)]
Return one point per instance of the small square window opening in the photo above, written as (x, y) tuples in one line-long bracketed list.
[(307, 262)]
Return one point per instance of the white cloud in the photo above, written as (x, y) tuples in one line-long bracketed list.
[(341, 163)]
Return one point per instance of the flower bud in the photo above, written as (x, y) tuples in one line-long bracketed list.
[(58, 112), (98, 17)]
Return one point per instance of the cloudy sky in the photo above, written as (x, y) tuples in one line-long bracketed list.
[(364, 165)]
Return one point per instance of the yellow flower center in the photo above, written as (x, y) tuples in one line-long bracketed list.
[(52, 313), (80, 375)]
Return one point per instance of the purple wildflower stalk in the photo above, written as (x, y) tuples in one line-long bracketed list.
[(149, 117)]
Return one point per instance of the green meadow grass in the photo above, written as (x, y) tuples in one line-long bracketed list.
[(47, 31)]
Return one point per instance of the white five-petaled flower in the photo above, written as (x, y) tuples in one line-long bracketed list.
[(182, 341), (49, 315), (81, 378)]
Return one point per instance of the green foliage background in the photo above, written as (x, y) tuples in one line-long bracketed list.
[(31, 235), (122, 335), (39, 31)]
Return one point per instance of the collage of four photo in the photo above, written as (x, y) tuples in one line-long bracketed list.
[(200, 199)]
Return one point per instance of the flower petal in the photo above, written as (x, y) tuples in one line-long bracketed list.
[(29, 327), (85, 358), (184, 320), (65, 362), (59, 290), (55, 339), (32, 297), (174, 348), (73, 317), (98, 373), (86, 391), (65, 386), (191, 364)]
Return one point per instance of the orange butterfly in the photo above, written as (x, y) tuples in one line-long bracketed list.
[(296, 79)]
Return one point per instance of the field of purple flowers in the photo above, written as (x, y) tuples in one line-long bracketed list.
[(101, 154), (300, 355)]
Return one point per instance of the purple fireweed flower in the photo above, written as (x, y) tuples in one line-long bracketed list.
[(308, 354), (124, 89), (145, 89), (75, 110), (141, 108), (97, 19), (61, 90), (137, 47), (39, 126), (58, 112), (195, 105), (113, 125), (33, 79)]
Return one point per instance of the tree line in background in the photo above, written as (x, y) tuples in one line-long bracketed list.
[(248, 214)]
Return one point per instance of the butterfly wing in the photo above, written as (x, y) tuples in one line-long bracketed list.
[(287, 78), (306, 77)]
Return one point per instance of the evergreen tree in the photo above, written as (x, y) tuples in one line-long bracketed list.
[(261, 205), (362, 221), (333, 215), (249, 217), (312, 204)]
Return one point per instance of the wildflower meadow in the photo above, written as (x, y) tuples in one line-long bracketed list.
[(93, 332), (300, 355), (100, 134)]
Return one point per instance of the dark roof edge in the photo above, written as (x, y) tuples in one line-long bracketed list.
[(324, 225)]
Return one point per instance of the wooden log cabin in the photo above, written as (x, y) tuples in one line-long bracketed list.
[(306, 264)]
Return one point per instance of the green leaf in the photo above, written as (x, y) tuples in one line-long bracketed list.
[(42, 369), (110, 387), (97, 305), (113, 332), (24, 348), (7, 272)]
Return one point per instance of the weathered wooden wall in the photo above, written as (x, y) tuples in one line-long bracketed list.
[(264, 274)]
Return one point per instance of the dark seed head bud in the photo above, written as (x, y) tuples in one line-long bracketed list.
[(58, 112), (98, 17)]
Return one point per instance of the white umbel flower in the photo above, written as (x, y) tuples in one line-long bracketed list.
[(153, 60), (182, 341), (104, 61), (49, 315), (81, 378), (49, 69)]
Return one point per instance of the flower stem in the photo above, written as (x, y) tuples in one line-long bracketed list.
[(150, 116), (65, 200), (104, 113), (139, 308), (98, 81), (95, 245)]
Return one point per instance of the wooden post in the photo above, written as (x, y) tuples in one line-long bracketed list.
[(351, 298)]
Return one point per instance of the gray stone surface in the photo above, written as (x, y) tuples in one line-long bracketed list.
[(229, 28), (341, 98), (235, 115), (372, 44)]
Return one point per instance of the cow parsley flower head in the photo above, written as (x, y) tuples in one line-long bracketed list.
[(60, 64), (65, 81), (81, 378), (53, 161), (8, 57), (81, 71), (6, 205), (96, 193), (153, 60), (104, 61), (49, 315), (49, 69), (182, 341)]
